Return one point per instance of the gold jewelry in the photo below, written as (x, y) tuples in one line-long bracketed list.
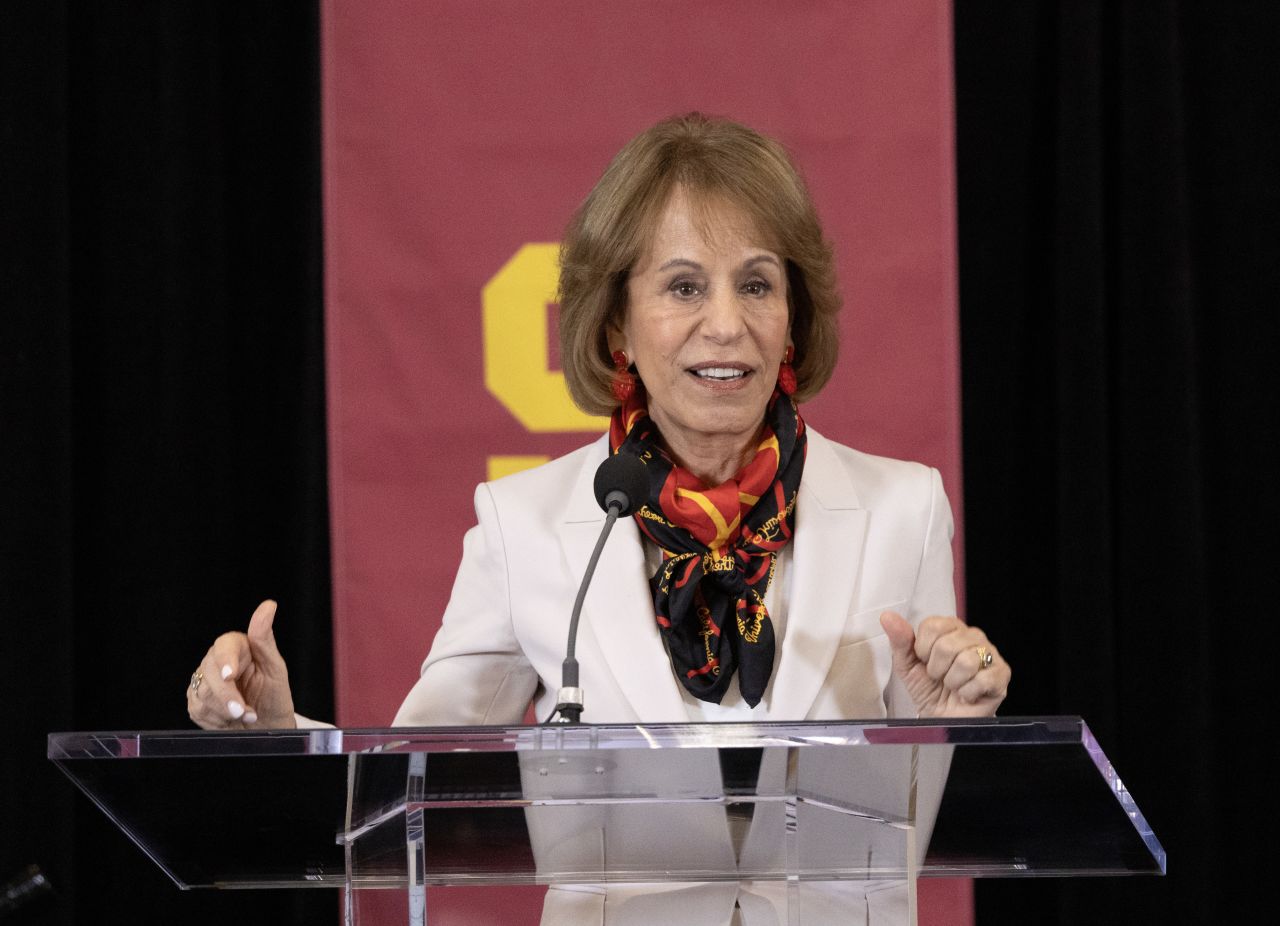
[(985, 657), (196, 678)]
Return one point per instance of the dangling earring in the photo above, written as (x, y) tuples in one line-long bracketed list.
[(787, 373), (623, 385)]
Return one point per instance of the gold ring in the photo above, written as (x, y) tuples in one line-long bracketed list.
[(196, 678), (985, 657)]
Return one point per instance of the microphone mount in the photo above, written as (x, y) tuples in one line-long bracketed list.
[(621, 485)]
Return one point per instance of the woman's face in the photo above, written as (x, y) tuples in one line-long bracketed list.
[(707, 325)]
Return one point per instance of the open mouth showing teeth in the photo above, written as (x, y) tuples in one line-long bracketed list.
[(719, 374)]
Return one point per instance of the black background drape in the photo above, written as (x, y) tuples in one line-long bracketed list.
[(161, 386), (1119, 220)]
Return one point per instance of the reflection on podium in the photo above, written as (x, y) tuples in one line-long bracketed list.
[(715, 823)]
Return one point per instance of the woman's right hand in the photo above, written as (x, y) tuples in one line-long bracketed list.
[(242, 682)]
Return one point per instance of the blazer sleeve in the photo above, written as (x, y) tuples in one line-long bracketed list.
[(934, 591), (476, 672)]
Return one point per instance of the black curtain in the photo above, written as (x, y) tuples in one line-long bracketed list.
[(162, 403), (1119, 203)]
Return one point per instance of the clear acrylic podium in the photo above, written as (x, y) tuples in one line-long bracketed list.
[(791, 805)]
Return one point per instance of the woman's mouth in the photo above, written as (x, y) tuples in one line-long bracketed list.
[(720, 374)]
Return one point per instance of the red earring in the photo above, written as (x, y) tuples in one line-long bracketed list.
[(623, 385), (787, 374)]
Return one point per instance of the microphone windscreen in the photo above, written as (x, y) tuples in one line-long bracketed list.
[(622, 473)]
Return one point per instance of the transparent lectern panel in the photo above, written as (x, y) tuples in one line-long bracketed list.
[(1009, 797), (1039, 809), (627, 815), (218, 812), (866, 812)]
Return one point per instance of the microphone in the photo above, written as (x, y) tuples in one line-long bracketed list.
[(623, 482), (621, 486)]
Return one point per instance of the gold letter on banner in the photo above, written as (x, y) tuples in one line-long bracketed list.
[(501, 465), (515, 344)]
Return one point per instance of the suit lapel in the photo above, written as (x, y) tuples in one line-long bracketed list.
[(618, 606), (830, 531)]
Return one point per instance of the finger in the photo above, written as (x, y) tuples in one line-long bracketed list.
[(931, 630), (262, 640), (958, 644), (195, 707), (223, 667), (204, 710), (228, 658), (260, 624), (968, 650), (965, 667), (991, 684), (901, 638)]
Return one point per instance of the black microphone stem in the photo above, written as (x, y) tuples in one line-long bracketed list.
[(570, 695), (620, 486)]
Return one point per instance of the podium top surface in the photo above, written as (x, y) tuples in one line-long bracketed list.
[(1005, 797), (992, 731)]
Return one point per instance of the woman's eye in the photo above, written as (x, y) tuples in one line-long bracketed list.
[(756, 287), (686, 289)]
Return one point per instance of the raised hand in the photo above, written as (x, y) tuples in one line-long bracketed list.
[(949, 668), (242, 682)]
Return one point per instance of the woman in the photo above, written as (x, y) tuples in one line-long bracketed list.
[(790, 577), (698, 304)]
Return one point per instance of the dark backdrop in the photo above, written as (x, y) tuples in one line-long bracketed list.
[(161, 387), (161, 394), (1119, 200)]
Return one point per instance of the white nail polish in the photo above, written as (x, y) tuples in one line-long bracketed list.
[(226, 672), (250, 717), (235, 709)]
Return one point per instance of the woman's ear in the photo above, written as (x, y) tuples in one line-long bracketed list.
[(616, 339)]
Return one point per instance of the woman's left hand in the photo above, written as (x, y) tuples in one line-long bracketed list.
[(949, 668)]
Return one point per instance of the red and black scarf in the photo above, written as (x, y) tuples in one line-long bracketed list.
[(719, 546)]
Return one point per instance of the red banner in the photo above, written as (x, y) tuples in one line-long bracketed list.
[(458, 139)]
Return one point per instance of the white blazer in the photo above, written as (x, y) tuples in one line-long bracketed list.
[(871, 534)]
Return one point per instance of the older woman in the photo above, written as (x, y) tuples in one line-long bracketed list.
[(771, 574)]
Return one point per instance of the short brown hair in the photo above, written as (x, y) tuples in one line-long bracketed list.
[(615, 225)]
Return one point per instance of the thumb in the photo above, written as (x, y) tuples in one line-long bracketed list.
[(262, 639), (902, 642)]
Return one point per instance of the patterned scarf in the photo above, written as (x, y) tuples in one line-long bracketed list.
[(719, 546)]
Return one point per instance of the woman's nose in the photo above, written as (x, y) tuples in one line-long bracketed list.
[(723, 320)]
